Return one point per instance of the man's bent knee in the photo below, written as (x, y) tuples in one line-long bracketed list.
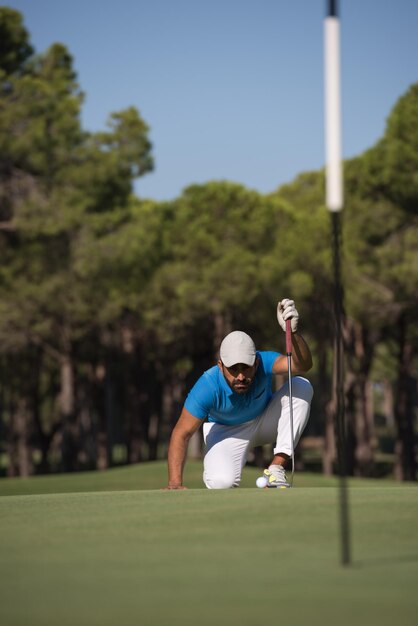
[(302, 388), (220, 482)]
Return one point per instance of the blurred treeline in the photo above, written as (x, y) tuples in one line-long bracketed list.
[(111, 306)]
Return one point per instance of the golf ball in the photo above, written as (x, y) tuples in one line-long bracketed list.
[(261, 482)]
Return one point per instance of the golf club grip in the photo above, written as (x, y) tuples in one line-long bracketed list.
[(288, 337)]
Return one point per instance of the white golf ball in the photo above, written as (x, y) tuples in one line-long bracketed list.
[(261, 482)]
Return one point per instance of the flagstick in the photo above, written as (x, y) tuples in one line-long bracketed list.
[(334, 202)]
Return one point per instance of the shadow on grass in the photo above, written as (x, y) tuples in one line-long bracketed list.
[(378, 561)]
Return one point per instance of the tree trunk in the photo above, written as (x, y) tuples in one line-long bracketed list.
[(151, 409), (172, 401), (20, 448), (405, 463), (132, 380), (86, 395), (329, 404), (328, 456), (70, 439), (388, 403), (103, 403), (359, 408), (363, 451), (43, 438), (222, 326), (153, 436)]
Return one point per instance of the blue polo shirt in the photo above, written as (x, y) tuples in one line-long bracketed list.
[(211, 397)]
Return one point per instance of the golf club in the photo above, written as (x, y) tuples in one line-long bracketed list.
[(289, 371)]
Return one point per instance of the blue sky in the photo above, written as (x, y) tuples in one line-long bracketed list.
[(231, 89)]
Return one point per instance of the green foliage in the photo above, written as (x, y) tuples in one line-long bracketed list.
[(381, 239), (41, 111), (115, 256), (400, 151), (63, 177), (15, 48), (299, 266), (215, 239)]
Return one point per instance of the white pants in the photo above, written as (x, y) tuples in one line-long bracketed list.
[(227, 447)]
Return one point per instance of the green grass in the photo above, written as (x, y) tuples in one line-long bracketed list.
[(143, 476), (133, 554)]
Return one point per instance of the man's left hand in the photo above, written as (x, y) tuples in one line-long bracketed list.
[(286, 310)]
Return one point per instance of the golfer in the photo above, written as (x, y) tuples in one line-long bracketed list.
[(238, 409)]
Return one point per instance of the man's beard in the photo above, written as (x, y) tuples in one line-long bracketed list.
[(241, 386)]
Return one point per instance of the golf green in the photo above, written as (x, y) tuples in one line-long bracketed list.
[(202, 557)]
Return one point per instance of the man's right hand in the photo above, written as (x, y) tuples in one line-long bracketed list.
[(186, 426)]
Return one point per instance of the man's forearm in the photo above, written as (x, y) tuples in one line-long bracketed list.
[(301, 355), (176, 458)]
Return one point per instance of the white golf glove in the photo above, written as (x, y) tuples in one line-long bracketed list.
[(286, 310)]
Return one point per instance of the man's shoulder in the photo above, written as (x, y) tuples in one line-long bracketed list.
[(267, 358), (202, 396), (208, 380), (268, 353), (211, 377), (212, 371)]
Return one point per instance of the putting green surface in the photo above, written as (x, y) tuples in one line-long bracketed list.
[(145, 476), (200, 557)]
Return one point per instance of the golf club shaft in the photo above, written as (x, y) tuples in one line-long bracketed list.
[(289, 371)]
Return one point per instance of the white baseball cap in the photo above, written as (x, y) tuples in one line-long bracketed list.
[(237, 347)]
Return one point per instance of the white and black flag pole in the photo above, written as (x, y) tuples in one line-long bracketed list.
[(334, 202)]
